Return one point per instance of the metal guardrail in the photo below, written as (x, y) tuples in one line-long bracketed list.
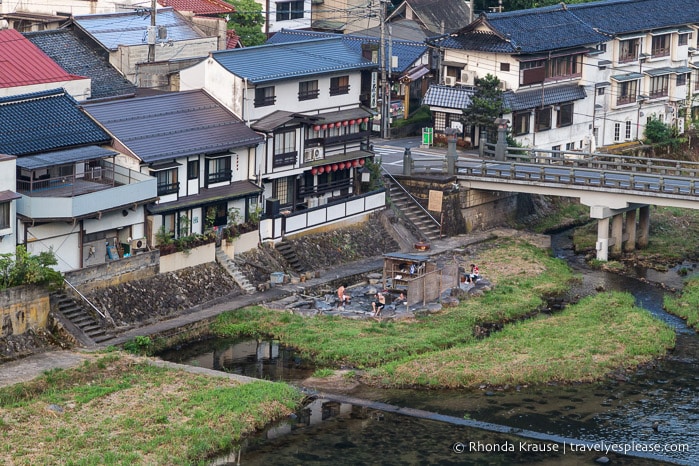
[(104, 315), (413, 199)]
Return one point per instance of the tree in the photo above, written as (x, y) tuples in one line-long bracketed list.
[(487, 103), (247, 21), (657, 132), (22, 268)]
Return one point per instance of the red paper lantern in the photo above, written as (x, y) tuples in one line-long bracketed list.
[(324, 126), (335, 167), (321, 170), (342, 165), (352, 122), (366, 120), (316, 128), (361, 162), (355, 163), (345, 123), (314, 171)]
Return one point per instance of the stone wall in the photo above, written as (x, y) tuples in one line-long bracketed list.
[(482, 210), (419, 187), (181, 260), (140, 266), (23, 308)]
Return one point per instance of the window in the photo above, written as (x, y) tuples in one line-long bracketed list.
[(683, 39), (560, 67), (192, 169), (281, 189), (600, 91), (628, 50), (504, 67), (440, 121), (308, 90), (660, 46), (532, 72), (167, 182), (570, 146), (169, 223), (659, 86), (264, 96), (556, 148), (5, 215), (521, 123), (564, 116), (602, 47), (289, 10), (628, 130), (617, 131), (681, 80), (284, 149), (627, 92), (339, 85), (542, 119), (219, 170)]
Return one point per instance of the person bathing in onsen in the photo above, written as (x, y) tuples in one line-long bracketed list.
[(343, 297), (378, 305)]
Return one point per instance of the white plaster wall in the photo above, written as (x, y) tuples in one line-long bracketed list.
[(62, 238), (79, 89)]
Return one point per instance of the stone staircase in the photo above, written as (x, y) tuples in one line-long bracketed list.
[(286, 250), (232, 269), (80, 317), (412, 211)]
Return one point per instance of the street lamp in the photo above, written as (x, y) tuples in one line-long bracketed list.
[(365, 174)]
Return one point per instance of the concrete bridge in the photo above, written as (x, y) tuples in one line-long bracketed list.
[(618, 189)]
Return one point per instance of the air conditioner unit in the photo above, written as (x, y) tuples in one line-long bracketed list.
[(139, 243), (449, 80), (317, 153), (308, 155), (468, 78)]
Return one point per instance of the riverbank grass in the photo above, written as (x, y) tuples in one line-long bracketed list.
[(119, 409), (686, 305), (587, 341), (524, 275)]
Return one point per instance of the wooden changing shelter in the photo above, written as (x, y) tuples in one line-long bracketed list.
[(417, 276)]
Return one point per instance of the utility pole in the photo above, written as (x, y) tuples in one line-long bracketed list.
[(152, 32), (385, 92)]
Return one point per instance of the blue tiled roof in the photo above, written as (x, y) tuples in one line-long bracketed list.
[(565, 26), (49, 159), (115, 29), (77, 58), (624, 16), (45, 121), (448, 96), (538, 98), (276, 62), (408, 52)]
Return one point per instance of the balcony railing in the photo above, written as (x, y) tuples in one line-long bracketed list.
[(218, 177), (265, 101), (169, 188), (625, 99), (309, 95), (339, 90), (326, 187)]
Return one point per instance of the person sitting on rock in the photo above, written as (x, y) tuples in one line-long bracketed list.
[(474, 275), (378, 305), (343, 297)]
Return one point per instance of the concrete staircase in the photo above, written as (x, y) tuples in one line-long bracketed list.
[(232, 269), (80, 317), (286, 250), (412, 211)]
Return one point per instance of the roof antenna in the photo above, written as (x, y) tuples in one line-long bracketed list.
[(564, 6)]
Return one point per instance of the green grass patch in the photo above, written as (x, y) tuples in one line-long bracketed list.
[(600, 334), (323, 373), (333, 341), (687, 304), (122, 410)]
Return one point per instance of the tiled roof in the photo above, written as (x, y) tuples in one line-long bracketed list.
[(173, 125), (22, 63), (564, 26), (438, 16), (624, 16), (45, 121), (276, 62), (405, 29), (115, 29), (235, 190), (49, 159), (76, 57), (541, 97), (475, 40), (232, 39), (456, 97), (200, 7), (407, 51)]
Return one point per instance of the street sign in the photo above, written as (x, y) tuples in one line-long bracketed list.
[(427, 136)]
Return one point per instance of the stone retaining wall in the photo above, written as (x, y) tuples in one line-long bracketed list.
[(140, 266), (23, 308)]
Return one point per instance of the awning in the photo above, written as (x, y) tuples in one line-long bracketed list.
[(334, 117), (620, 78), (159, 166), (61, 157), (415, 73), (236, 190), (9, 196), (354, 155)]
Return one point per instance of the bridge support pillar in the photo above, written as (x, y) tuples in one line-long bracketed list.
[(643, 226), (630, 242), (617, 232), (603, 239)]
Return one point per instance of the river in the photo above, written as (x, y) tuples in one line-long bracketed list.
[(656, 407)]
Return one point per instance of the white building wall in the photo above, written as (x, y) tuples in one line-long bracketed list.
[(79, 89), (8, 236), (61, 238)]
